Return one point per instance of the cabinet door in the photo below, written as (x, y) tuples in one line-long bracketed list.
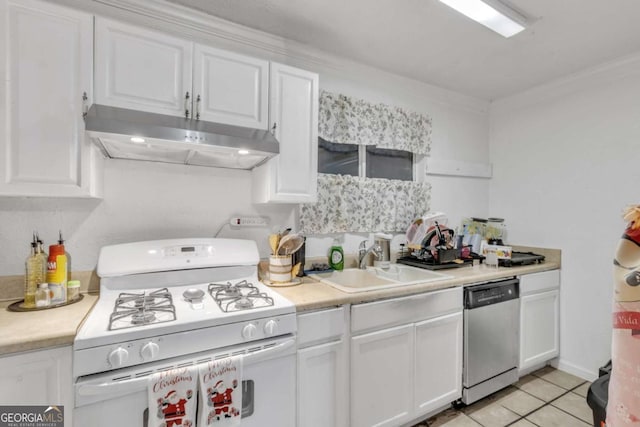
[(539, 328), (382, 377), (38, 378), (438, 378), (291, 177), (48, 65), (322, 386), (142, 69), (231, 88)]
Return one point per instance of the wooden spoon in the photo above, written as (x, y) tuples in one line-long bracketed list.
[(274, 242), (290, 244)]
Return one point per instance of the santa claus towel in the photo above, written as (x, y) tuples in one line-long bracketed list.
[(220, 392), (171, 397)]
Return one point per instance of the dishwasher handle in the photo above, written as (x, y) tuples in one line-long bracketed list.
[(491, 293)]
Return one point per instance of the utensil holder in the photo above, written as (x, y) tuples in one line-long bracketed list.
[(280, 268)]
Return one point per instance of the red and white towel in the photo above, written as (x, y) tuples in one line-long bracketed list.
[(220, 392), (172, 399)]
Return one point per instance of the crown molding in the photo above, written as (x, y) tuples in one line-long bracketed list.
[(182, 21), (612, 71)]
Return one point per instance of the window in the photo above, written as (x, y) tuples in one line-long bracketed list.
[(337, 159), (365, 161), (389, 164)]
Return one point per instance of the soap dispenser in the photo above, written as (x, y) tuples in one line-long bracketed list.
[(336, 256)]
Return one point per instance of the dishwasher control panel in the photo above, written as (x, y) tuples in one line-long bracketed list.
[(491, 293)]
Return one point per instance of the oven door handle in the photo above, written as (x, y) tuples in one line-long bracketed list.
[(139, 384)]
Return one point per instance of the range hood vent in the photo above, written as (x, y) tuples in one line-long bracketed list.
[(136, 135)]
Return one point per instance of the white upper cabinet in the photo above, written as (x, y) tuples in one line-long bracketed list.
[(142, 69), (291, 177), (230, 88), (46, 70), (146, 70)]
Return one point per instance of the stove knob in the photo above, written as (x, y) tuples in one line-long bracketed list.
[(249, 331), (149, 351), (118, 357), (271, 327)]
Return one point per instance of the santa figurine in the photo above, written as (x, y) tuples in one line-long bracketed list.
[(623, 406), (221, 398), (172, 409)]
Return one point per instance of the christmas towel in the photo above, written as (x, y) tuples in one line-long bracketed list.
[(220, 392), (171, 401)]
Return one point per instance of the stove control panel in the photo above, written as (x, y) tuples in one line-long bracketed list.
[(167, 345)]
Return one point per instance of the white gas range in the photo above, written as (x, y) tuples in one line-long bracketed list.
[(170, 303)]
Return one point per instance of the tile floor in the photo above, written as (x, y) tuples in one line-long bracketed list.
[(546, 398)]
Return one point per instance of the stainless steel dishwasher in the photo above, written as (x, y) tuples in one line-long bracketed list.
[(491, 338)]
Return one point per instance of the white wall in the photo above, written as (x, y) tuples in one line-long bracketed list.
[(565, 159), (151, 200)]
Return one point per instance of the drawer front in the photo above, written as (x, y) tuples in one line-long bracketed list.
[(320, 326), (538, 282), (399, 311)]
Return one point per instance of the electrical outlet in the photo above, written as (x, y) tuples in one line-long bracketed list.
[(248, 221)]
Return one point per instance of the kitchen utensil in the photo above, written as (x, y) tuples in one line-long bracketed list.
[(274, 241), (290, 244), (285, 232), (441, 241), (295, 270)]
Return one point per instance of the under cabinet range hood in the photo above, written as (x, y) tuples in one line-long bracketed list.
[(136, 135)]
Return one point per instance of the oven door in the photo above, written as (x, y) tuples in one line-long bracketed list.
[(268, 381)]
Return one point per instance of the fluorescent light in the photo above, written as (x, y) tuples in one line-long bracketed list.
[(243, 152), (137, 139), (494, 18)]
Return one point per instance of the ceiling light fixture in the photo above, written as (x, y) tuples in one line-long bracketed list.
[(137, 139), (243, 152), (492, 14)]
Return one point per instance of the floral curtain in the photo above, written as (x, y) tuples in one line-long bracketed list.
[(353, 204), (347, 120)]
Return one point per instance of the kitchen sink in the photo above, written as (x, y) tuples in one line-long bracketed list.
[(375, 278)]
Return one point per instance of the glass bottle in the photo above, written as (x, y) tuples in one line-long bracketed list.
[(43, 297), (30, 278)]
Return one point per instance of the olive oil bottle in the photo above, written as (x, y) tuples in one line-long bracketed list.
[(35, 272)]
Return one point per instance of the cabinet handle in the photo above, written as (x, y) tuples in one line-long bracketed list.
[(198, 107), (85, 107), (273, 128), (186, 105)]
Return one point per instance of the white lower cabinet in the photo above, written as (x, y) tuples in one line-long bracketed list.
[(406, 357), (438, 362), (322, 369), (381, 377), (40, 377), (539, 318)]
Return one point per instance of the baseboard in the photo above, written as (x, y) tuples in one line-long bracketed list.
[(572, 369)]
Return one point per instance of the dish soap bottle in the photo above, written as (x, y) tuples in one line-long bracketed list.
[(57, 273), (336, 256)]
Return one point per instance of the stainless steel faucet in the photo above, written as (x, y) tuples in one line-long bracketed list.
[(363, 252)]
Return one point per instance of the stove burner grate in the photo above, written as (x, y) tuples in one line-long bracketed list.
[(142, 309), (239, 296)]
